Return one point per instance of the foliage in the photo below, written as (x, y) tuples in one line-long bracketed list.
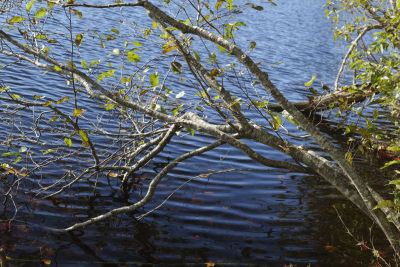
[(122, 107), (371, 29)]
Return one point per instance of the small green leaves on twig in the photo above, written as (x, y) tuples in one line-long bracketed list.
[(309, 83)]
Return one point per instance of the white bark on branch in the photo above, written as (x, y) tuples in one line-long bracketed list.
[(323, 141), (144, 160), (350, 50), (150, 191)]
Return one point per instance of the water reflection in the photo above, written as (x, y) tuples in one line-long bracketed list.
[(287, 220), (235, 218)]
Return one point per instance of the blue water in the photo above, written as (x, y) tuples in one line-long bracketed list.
[(244, 217)]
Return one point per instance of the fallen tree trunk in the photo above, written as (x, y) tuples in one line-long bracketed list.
[(349, 95)]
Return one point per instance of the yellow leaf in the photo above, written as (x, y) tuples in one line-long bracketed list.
[(78, 39), (78, 112), (113, 174), (214, 72), (219, 4), (210, 264), (65, 98), (48, 103), (169, 47), (46, 261), (84, 137), (309, 83)]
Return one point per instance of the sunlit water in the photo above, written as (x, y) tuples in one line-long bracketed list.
[(244, 217)]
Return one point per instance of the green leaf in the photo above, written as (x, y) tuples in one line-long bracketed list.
[(175, 111), (53, 119), (115, 31), (94, 62), (109, 73), (47, 151), (77, 12), (176, 67), (132, 57), (41, 36), (136, 43), (196, 56), (147, 32), (65, 98), (17, 160), (239, 23), (349, 156), (390, 163), (15, 19), (84, 65), (68, 141), (84, 137), (126, 79), (309, 83), (110, 106), (29, 5), (258, 8), (71, 64), (57, 68), (40, 13), (48, 103), (252, 45), (78, 39), (78, 112), (213, 57), (278, 121), (165, 36), (214, 73), (169, 47), (384, 204), (101, 40), (190, 130), (109, 37), (154, 79), (395, 182), (219, 4)]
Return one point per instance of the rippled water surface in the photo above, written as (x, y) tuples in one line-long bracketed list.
[(236, 218)]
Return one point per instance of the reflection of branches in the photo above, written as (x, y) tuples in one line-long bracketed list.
[(127, 154), (203, 175), (160, 146), (362, 243), (152, 187), (74, 124), (89, 251)]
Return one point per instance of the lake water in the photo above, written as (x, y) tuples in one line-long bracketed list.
[(237, 218)]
